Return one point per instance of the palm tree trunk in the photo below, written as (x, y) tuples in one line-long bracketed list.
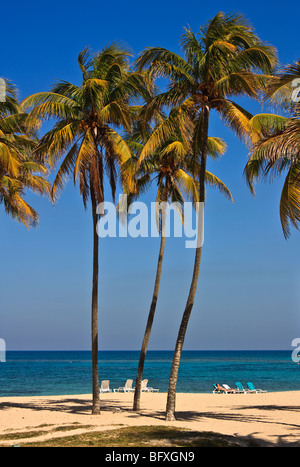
[(171, 399), (94, 323), (138, 383)]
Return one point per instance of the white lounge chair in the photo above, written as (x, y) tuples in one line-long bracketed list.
[(105, 386), (228, 389), (127, 388), (224, 389), (145, 388)]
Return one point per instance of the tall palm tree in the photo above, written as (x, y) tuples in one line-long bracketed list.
[(19, 170), (169, 167), (276, 145), (87, 135), (224, 61)]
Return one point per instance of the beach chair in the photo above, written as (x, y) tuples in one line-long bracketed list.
[(240, 389), (253, 389), (228, 389), (145, 388), (127, 388), (218, 389), (104, 386)]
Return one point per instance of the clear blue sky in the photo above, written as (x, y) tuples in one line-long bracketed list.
[(248, 295)]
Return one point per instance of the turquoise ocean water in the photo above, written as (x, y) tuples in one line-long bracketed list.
[(69, 372)]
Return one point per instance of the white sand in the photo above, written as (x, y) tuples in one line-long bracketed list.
[(270, 417)]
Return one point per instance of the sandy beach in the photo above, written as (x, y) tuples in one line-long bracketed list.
[(270, 418)]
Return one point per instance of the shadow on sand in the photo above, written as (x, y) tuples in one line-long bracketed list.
[(82, 406)]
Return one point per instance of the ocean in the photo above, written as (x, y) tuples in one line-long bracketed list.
[(35, 373)]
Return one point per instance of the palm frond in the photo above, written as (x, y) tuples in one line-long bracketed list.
[(215, 182), (290, 201)]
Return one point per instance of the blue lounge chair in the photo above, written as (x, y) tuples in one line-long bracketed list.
[(253, 389), (240, 389)]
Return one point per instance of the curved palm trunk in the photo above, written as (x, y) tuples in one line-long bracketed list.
[(171, 399), (138, 383), (94, 321)]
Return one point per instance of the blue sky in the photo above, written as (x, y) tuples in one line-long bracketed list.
[(248, 295)]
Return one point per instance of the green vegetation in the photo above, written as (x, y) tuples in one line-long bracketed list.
[(153, 436), (19, 169), (19, 435), (276, 144)]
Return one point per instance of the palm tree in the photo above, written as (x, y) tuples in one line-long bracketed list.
[(226, 60), (19, 170), (169, 166), (87, 135), (276, 145)]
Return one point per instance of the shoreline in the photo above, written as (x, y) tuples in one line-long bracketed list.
[(43, 396), (270, 418)]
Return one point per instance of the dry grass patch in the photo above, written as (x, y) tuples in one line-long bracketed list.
[(145, 436)]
